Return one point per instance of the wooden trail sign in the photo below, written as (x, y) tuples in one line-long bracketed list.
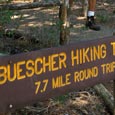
[(35, 76)]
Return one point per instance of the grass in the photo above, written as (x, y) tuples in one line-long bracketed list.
[(61, 99), (102, 17)]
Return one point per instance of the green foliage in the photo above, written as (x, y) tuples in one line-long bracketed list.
[(5, 17), (103, 17), (98, 107), (6, 1), (84, 28), (62, 98)]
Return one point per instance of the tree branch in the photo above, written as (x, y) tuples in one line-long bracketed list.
[(22, 6)]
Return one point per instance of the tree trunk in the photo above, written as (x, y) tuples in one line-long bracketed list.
[(64, 24), (71, 3), (84, 7)]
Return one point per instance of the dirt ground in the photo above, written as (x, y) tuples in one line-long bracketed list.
[(33, 24)]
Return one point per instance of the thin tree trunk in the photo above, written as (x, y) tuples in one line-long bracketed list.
[(71, 3), (64, 24), (84, 7)]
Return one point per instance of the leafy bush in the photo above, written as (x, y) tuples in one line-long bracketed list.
[(5, 16)]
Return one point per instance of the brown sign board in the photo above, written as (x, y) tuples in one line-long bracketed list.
[(39, 75)]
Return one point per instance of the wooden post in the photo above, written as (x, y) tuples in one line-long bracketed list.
[(84, 7), (64, 31)]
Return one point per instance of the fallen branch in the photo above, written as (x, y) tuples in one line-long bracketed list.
[(106, 96), (22, 6)]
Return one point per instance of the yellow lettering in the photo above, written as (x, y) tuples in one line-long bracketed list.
[(11, 79), (62, 60), (68, 79), (103, 51), (38, 63), (53, 62), (37, 86), (85, 55), (96, 52), (85, 74), (76, 77), (20, 70), (55, 83), (46, 64), (45, 84), (81, 77), (74, 57), (108, 67), (113, 46), (30, 68), (3, 75), (88, 54), (61, 81)]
